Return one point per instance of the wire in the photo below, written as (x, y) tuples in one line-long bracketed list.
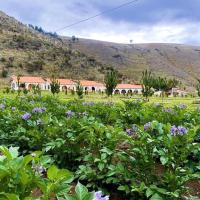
[(97, 15)]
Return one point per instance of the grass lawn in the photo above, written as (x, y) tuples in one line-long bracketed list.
[(95, 97)]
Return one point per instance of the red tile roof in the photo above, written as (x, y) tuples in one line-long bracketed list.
[(28, 79), (128, 86), (66, 82), (90, 83)]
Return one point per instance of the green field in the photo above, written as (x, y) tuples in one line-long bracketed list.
[(94, 97)]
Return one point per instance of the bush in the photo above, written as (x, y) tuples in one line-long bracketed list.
[(4, 73)]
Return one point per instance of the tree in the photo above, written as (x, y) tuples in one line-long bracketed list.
[(18, 84), (147, 84), (198, 87), (4, 73), (55, 85), (164, 84), (79, 90), (111, 81)]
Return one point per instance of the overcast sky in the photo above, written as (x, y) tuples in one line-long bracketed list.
[(172, 21)]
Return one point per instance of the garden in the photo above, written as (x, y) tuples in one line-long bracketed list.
[(80, 150)]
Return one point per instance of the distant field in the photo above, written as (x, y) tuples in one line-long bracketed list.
[(167, 101)]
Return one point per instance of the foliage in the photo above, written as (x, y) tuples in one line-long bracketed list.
[(4, 73), (133, 149), (54, 85), (198, 87), (111, 81), (20, 176), (79, 90), (36, 89), (147, 82)]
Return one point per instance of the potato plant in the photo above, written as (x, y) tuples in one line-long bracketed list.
[(131, 150)]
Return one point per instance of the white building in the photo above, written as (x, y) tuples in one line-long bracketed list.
[(67, 84), (27, 82), (128, 88)]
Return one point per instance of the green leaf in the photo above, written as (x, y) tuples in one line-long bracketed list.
[(68, 197), (149, 192), (52, 172), (101, 166), (156, 197), (163, 160), (81, 191), (6, 152), (89, 196), (14, 151), (65, 174)]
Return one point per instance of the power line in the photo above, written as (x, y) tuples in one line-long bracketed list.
[(97, 15)]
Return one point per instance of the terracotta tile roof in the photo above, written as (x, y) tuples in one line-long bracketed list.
[(128, 86), (90, 83), (29, 79), (66, 82), (62, 81)]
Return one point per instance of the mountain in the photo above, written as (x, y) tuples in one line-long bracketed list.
[(29, 50)]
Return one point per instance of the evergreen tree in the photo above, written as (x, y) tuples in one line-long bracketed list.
[(111, 81), (55, 86), (79, 90), (147, 84)]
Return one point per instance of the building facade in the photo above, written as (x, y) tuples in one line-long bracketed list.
[(128, 89), (67, 85)]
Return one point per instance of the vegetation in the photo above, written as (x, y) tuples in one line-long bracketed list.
[(130, 150), (111, 81), (54, 85), (198, 87), (147, 84), (79, 90)]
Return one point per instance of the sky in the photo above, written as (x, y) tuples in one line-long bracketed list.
[(145, 21)]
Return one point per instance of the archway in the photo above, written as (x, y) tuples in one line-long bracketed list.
[(64, 88), (116, 92), (123, 92), (130, 91)]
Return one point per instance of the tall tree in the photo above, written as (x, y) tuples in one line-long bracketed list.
[(147, 84), (55, 85), (111, 81), (79, 90), (198, 87), (164, 84)]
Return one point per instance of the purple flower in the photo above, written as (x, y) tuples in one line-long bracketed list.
[(182, 106), (180, 130), (13, 108), (99, 196), (129, 131), (70, 113), (168, 110), (147, 126), (2, 106), (38, 110), (43, 109), (26, 116), (88, 103), (174, 130)]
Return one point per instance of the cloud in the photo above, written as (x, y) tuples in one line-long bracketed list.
[(146, 21)]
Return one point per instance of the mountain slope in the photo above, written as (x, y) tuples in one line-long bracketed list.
[(172, 60), (26, 51)]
